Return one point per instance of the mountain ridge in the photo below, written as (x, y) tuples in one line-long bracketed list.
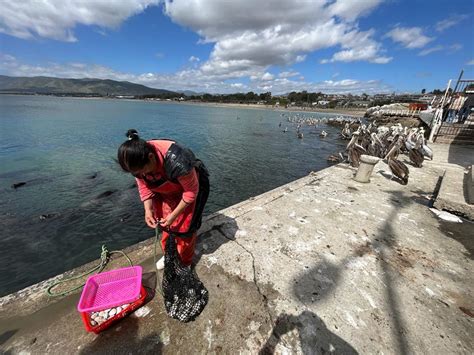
[(82, 86)]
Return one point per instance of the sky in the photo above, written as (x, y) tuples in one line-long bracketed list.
[(227, 46)]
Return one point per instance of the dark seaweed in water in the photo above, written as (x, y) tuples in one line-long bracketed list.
[(106, 194)]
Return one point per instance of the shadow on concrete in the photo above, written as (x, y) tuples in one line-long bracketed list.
[(7, 335), (123, 339), (317, 283), (149, 282), (320, 281), (467, 184), (461, 154), (222, 231), (315, 337), (461, 232)]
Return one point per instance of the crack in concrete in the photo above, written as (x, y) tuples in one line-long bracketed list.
[(264, 297)]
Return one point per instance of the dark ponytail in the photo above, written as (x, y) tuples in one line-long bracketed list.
[(133, 154)]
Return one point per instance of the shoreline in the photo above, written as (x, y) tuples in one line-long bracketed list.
[(349, 112), (346, 112)]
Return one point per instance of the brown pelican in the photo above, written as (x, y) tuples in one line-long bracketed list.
[(413, 144), (398, 169), (300, 135), (427, 152), (346, 132), (416, 157), (333, 158), (375, 147), (354, 150)]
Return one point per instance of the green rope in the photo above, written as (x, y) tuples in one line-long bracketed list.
[(104, 259)]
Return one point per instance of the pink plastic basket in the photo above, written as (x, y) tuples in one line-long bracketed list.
[(110, 289)]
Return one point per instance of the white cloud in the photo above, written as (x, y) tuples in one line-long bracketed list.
[(267, 76), (451, 21), (189, 79), (409, 37), (471, 62), (455, 47), (359, 46), (194, 59), (249, 40), (430, 50), (449, 49), (351, 10), (237, 85), (288, 74), (159, 55), (56, 19)]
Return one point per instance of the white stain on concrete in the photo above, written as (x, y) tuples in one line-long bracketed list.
[(362, 213), (293, 230), (338, 201), (429, 292), (356, 263), (208, 334), (258, 208), (241, 233), (368, 298), (292, 214), (165, 336), (254, 326), (350, 320), (211, 260), (264, 226)]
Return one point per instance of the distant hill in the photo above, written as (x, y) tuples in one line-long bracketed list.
[(50, 85)]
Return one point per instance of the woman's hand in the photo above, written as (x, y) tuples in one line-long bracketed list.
[(150, 218), (166, 222)]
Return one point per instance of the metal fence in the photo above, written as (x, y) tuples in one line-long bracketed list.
[(456, 123)]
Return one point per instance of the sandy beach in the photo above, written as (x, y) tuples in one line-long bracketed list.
[(346, 112)]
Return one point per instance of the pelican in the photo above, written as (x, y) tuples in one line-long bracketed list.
[(398, 169), (427, 152), (354, 150), (416, 157), (323, 133), (375, 147), (346, 132)]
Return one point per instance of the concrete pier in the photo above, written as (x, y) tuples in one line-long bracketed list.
[(321, 265)]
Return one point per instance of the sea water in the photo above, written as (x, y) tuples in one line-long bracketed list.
[(76, 197)]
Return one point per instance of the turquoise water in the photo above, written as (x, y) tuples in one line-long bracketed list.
[(64, 149)]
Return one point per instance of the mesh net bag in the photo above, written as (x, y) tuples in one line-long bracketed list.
[(184, 294)]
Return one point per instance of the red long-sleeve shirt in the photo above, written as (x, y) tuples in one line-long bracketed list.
[(187, 187)]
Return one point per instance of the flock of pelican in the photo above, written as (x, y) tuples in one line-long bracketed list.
[(386, 143)]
